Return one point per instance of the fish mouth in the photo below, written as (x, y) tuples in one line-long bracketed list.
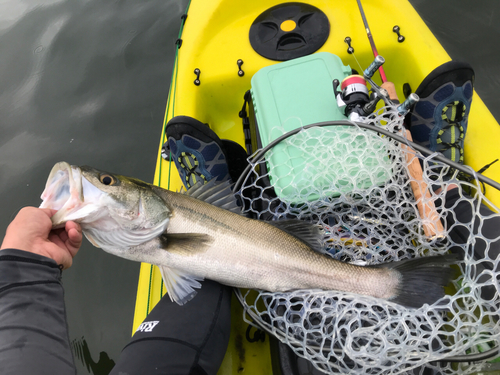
[(64, 193)]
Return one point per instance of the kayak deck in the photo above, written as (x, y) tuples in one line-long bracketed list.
[(215, 37)]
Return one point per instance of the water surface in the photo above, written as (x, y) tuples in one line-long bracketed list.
[(85, 82)]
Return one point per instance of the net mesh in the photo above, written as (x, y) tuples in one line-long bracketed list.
[(355, 184)]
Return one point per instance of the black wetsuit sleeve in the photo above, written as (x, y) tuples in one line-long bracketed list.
[(33, 327)]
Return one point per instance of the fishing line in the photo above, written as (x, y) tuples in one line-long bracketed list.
[(149, 289), (171, 91), (360, 68)]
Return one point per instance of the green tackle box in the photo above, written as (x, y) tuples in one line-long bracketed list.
[(299, 92)]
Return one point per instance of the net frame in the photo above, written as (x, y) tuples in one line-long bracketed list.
[(359, 333)]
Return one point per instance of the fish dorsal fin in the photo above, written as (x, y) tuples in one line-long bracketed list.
[(217, 194), (311, 234), (180, 286)]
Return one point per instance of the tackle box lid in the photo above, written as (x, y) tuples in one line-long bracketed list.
[(297, 92)]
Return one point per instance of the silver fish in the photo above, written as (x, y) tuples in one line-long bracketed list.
[(200, 235)]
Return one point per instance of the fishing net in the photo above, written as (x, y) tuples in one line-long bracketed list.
[(355, 184)]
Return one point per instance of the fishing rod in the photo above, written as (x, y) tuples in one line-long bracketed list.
[(433, 228), (370, 39)]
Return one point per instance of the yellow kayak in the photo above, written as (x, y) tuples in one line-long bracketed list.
[(215, 49)]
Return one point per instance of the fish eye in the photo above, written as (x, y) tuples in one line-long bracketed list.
[(107, 179)]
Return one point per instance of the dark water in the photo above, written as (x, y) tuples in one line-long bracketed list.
[(86, 82), (469, 31)]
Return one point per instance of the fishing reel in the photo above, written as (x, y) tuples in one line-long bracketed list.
[(354, 97), (354, 94)]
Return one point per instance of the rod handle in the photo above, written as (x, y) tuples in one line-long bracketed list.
[(391, 90), (433, 228)]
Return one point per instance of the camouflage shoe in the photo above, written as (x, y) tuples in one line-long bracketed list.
[(197, 151), (439, 120)]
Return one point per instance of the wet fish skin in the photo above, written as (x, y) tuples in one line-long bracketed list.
[(249, 253), (190, 239)]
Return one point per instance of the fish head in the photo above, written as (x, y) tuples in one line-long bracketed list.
[(115, 212)]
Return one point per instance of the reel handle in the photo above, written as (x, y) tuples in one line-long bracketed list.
[(373, 67), (405, 107), (336, 84)]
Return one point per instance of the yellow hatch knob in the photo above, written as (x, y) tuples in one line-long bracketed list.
[(288, 25)]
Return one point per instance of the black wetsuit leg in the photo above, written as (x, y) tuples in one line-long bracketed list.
[(459, 216), (189, 339), (33, 327)]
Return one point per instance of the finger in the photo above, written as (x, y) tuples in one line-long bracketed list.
[(49, 211), (55, 238), (72, 224), (62, 234), (75, 238)]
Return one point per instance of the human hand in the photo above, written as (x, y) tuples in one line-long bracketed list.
[(31, 230)]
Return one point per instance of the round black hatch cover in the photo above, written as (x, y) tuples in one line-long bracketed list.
[(289, 30)]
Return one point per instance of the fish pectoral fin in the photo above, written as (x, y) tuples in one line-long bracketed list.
[(180, 286), (186, 243)]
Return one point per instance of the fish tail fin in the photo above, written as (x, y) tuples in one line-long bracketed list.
[(422, 279)]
